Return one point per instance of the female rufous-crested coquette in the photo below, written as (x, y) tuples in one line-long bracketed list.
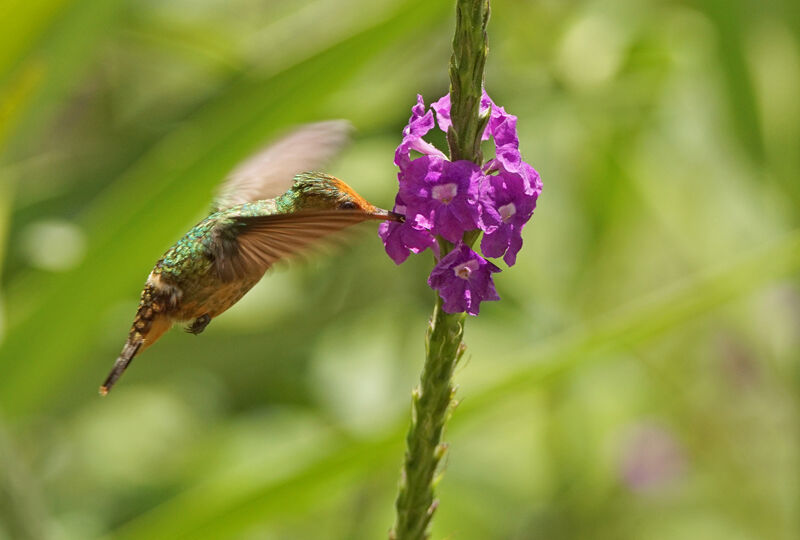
[(269, 209)]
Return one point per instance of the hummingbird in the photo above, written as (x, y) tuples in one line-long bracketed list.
[(269, 209)]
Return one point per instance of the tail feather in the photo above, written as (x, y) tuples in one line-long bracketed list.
[(149, 325), (122, 363)]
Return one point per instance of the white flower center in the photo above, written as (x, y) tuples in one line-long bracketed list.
[(444, 192), (507, 211), (464, 270)]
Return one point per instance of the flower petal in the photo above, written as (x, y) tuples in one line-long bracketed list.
[(420, 123), (401, 239), (464, 280)]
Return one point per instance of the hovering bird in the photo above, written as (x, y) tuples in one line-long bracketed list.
[(269, 209)]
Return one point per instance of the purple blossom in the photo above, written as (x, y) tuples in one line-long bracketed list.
[(508, 201), (411, 236), (419, 124), (446, 199), (442, 196), (464, 280), (503, 127), (442, 108)]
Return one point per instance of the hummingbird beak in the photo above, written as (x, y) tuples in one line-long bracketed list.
[(380, 213)]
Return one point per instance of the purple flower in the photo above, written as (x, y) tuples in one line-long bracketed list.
[(502, 127), (446, 199), (442, 196), (442, 108), (507, 203), (400, 239), (464, 280), (419, 124)]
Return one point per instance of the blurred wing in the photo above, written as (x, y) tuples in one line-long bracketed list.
[(270, 172), (250, 246)]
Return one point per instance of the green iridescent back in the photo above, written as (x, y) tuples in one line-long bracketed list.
[(189, 257)]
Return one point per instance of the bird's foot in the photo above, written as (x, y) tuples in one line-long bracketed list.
[(199, 324)]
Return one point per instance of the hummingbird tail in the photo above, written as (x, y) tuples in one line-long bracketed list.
[(123, 361), (147, 328)]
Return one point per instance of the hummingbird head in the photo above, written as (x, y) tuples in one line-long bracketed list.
[(318, 191)]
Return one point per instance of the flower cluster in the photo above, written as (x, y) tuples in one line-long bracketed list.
[(446, 199)]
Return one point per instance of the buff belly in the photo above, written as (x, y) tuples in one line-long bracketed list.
[(211, 300)]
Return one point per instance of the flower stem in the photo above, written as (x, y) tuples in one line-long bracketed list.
[(470, 45), (431, 400)]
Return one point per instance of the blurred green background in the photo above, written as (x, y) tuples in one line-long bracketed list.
[(640, 378)]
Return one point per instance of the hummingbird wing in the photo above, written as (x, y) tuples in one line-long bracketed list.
[(251, 245), (270, 172)]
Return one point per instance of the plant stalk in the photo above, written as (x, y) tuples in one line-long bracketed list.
[(470, 46), (430, 403), (432, 399)]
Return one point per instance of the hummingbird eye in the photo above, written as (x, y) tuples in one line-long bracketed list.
[(348, 205)]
